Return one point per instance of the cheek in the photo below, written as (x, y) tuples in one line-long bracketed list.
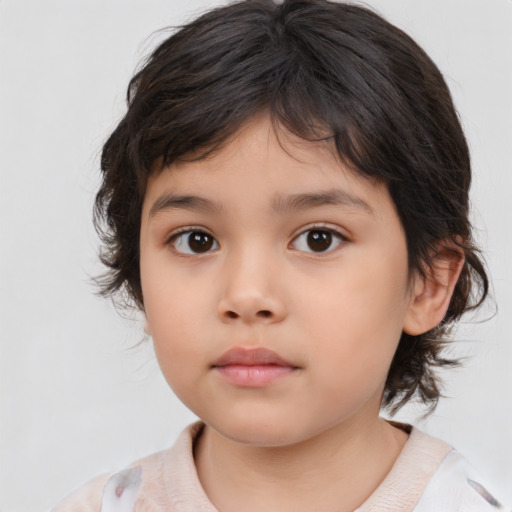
[(366, 298), (355, 320), (173, 323), (174, 331), (172, 296), (170, 317)]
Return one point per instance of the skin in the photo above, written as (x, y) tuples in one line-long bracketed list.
[(336, 315)]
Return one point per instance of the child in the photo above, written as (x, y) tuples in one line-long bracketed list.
[(286, 200)]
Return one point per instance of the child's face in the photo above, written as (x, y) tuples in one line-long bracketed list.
[(291, 253)]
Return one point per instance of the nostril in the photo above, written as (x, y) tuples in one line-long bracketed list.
[(261, 314)]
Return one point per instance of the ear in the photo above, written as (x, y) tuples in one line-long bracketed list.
[(432, 292)]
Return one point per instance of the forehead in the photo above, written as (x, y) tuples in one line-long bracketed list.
[(263, 163)]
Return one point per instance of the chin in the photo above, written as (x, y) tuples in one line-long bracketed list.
[(259, 432), (268, 437)]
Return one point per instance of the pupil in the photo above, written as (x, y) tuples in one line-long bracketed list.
[(319, 241), (200, 242)]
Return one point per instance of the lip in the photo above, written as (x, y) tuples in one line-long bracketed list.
[(254, 367)]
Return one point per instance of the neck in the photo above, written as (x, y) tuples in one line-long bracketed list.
[(336, 470)]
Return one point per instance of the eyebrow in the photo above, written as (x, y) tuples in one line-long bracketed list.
[(280, 204), (335, 197), (187, 202)]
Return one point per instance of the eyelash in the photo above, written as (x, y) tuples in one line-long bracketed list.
[(322, 228), (333, 235), (188, 231)]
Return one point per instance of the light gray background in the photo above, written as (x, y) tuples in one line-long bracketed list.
[(75, 400)]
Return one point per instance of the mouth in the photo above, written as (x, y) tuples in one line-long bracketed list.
[(256, 367)]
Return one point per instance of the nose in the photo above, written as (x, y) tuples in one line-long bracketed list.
[(252, 291)]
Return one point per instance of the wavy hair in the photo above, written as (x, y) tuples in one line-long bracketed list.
[(317, 67)]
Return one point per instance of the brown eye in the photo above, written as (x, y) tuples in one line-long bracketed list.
[(318, 240), (200, 242), (194, 242)]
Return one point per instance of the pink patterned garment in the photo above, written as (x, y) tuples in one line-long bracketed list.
[(428, 476), (121, 491)]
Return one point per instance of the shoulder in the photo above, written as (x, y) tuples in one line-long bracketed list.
[(430, 476), (84, 499), (457, 486), (150, 487)]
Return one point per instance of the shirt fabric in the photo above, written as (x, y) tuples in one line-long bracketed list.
[(428, 476)]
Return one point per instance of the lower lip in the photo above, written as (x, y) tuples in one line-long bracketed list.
[(253, 376)]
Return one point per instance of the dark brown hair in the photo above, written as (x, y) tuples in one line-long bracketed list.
[(316, 67)]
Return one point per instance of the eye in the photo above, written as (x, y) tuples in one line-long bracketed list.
[(318, 240), (193, 242)]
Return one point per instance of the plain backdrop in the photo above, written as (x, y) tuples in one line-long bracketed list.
[(76, 399)]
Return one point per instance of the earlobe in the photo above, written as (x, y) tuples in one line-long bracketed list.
[(433, 291)]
